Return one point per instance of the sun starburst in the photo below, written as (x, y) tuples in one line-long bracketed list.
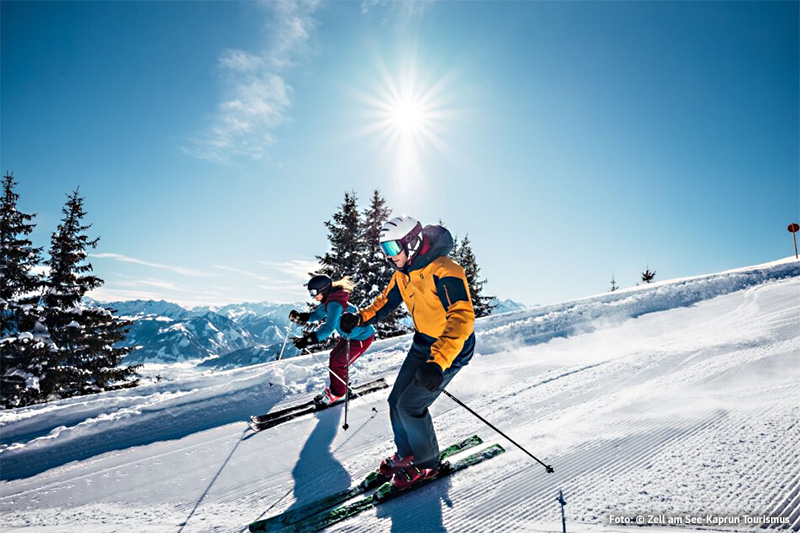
[(407, 116)]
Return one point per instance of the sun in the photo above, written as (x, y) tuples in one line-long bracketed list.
[(408, 115), (405, 110)]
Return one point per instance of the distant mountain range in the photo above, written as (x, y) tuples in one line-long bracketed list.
[(506, 306), (223, 337)]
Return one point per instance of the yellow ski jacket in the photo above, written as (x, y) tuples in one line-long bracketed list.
[(436, 293)]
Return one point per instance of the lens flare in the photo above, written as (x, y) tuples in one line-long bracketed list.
[(407, 115)]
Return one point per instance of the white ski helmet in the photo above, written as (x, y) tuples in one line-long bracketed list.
[(399, 234)]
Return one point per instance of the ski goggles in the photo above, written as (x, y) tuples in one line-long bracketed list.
[(391, 248), (323, 291)]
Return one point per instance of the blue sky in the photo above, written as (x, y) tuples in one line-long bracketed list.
[(570, 140)]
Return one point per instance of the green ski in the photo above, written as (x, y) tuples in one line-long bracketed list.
[(374, 479), (385, 492)]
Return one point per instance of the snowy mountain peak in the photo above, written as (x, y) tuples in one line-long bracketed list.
[(143, 308)]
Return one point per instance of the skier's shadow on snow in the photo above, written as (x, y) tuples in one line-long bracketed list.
[(420, 511), (317, 471)]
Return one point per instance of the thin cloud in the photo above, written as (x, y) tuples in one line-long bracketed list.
[(150, 284), (172, 268), (242, 272), (158, 284), (110, 294), (297, 268), (258, 96), (281, 282), (400, 14), (293, 288), (193, 299)]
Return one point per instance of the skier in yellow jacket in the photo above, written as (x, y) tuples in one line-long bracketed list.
[(436, 293)]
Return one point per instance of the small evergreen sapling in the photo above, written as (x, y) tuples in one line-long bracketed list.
[(648, 275)]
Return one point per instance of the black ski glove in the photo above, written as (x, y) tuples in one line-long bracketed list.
[(349, 321), (429, 376), (299, 318), (304, 341)]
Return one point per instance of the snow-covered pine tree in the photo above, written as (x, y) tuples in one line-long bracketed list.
[(376, 272), (20, 288), (346, 254), (83, 358), (464, 256)]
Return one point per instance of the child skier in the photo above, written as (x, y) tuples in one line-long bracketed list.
[(333, 298), (436, 293)]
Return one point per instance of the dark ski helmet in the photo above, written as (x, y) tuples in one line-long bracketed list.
[(319, 285)]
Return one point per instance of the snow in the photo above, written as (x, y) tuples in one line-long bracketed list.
[(672, 402)]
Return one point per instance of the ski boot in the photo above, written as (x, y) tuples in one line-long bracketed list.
[(326, 398), (411, 474), (391, 465)]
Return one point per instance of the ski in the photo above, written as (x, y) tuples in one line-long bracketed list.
[(386, 492), (373, 480), (259, 423), (380, 383)]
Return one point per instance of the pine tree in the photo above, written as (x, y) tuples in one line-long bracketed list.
[(455, 253), (376, 272), (347, 248), (464, 256), (648, 275), (614, 285), (346, 254), (82, 358), (19, 294)]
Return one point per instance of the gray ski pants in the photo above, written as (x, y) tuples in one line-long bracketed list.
[(409, 403)]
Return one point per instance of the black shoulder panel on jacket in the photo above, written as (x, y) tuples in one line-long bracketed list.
[(451, 290)]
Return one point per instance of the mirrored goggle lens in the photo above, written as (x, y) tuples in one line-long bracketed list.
[(391, 248), (313, 292)]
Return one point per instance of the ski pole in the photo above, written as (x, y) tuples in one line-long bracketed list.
[(345, 383), (286, 338), (563, 502), (347, 388), (459, 402)]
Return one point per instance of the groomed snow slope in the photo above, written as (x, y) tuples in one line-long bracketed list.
[(678, 398)]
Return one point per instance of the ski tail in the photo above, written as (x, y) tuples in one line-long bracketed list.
[(265, 421)]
